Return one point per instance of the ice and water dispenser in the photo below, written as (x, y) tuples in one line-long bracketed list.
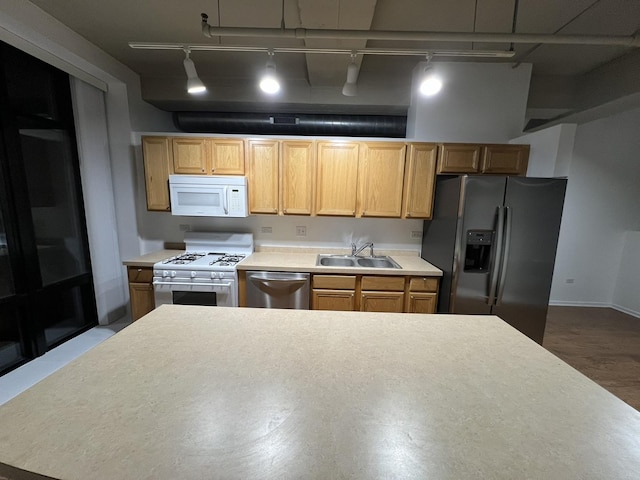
[(477, 257)]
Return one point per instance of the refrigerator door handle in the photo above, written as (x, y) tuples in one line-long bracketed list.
[(495, 268), (505, 257)]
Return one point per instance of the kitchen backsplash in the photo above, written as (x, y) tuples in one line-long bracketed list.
[(289, 231)]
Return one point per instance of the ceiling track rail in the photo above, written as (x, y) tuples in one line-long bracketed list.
[(305, 33), (334, 51)]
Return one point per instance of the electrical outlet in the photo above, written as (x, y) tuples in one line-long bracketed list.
[(415, 234), (185, 227), (301, 231), (266, 230), (570, 280)]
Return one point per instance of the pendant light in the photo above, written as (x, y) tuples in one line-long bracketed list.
[(430, 82), (269, 82), (194, 84), (350, 88)]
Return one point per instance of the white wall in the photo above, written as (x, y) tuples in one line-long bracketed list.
[(479, 102), (626, 296), (602, 204), (551, 150)]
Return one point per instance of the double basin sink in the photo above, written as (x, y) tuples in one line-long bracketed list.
[(327, 260)]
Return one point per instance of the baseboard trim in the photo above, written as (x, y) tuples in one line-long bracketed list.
[(626, 310), (619, 308)]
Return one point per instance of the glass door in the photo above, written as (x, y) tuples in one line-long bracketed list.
[(51, 275), (13, 350)]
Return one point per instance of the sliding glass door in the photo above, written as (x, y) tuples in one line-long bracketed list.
[(48, 272)]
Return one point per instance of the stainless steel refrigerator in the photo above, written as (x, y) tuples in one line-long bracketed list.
[(495, 239)]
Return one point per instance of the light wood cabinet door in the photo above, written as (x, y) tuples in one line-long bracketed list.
[(382, 302), (337, 178), (505, 159), (262, 165), (341, 300), (226, 156), (381, 177), (459, 158), (189, 156), (140, 291), (156, 154), (296, 177), (422, 302), (419, 180)]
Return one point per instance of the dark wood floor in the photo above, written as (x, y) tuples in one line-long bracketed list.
[(601, 343)]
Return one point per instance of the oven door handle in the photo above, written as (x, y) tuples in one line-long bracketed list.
[(194, 284)]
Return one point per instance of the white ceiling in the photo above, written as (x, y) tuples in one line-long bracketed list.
[(562, 74)]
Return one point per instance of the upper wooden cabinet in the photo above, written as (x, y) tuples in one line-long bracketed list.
[(156, 153), (296, 176), (208, 156), (458, 158), (280, 176), (226, 156), (380, 178), (337, 178), (419, 180), (505, 159), (262, 168), (189, 156)]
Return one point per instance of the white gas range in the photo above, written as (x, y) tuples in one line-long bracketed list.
[(205, 274)]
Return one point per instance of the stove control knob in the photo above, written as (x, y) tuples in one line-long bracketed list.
[(193, 274), (165, 273), (214, 274), (173, 274)]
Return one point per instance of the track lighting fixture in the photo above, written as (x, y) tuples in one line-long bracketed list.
[(350, 88), (269, 82), (430, 83), (194, 84)]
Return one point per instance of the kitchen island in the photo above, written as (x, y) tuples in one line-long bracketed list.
[(196, 392)]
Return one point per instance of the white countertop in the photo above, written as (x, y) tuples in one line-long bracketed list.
[(190, 392)]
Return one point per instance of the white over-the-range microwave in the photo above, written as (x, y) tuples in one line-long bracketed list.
[(208, 195)]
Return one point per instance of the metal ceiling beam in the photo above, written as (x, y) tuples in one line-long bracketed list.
[(391, 35)]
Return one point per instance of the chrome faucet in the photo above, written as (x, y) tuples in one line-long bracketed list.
[(355, 250)]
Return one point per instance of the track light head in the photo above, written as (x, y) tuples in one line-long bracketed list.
[(430, 82), (269, 82), (350, 88), (194, 84)]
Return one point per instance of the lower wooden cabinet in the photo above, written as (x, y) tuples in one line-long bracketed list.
[(141, 291), (375, 293), (333, 292)]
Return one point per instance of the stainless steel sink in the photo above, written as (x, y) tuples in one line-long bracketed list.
[(378, 262), (327, 260), (336, 261)]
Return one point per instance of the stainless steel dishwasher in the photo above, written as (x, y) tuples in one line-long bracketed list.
[(278, 290)]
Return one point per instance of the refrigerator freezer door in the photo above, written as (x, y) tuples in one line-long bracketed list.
[(479, 201), (535, 207)]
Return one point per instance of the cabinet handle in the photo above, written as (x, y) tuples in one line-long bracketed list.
[(213, 170), (202, 170), (285, 210), (408, 214), (139, 270), (168, 208)]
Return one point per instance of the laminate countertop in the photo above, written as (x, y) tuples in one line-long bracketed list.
[(150, 259), (291, 260), (306, 262), (195, 392)]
